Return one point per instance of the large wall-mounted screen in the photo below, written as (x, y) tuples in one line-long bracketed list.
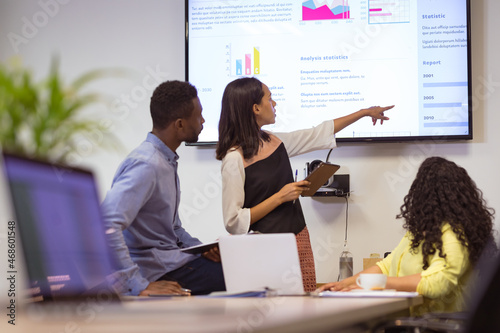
[(323, 59)]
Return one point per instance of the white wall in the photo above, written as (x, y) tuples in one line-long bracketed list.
[(147, 36)]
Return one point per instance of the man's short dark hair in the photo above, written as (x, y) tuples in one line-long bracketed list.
[(172, 100)]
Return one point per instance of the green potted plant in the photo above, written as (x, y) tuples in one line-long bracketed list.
[(48, 119)]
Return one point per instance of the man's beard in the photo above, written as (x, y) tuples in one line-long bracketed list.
[(192, 139)]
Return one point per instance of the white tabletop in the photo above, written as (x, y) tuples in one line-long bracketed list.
[(194, 314)]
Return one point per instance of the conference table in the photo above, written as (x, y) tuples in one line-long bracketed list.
[(201, 314)]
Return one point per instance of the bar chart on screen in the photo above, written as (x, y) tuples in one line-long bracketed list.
[(388, 11), (242, 60)]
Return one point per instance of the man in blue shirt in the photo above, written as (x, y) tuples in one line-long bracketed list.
[(141, 208)]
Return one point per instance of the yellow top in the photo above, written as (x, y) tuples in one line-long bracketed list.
[(443, 282)]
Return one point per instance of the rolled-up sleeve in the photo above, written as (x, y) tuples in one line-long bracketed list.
[(236, 218), (128, 279), (443, 274), (385, 264)]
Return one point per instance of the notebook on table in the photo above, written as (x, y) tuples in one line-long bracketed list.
[(257, 262)]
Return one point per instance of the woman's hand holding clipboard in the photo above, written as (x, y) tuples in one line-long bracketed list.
[(319, 176)]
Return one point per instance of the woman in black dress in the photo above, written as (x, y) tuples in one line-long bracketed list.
[(258, 189)]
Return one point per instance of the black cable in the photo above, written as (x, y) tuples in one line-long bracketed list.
[(346, 217), (346, 227), (328, 156)]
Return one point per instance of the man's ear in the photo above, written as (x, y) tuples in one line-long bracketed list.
[(179, 124)]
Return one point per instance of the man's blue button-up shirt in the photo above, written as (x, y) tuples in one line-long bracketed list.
[(142, 218)]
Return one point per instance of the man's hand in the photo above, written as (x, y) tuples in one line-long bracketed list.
[(164, 287), (213, 254)]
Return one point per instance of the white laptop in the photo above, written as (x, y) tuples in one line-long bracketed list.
[(254, 262)]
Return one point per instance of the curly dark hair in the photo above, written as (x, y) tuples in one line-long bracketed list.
[(170, 101), (444, 192), (237, 124)]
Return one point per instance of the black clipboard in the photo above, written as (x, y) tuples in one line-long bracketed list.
[(319, 176)]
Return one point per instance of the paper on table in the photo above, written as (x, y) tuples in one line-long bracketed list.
[(225, 294), (368, 293)]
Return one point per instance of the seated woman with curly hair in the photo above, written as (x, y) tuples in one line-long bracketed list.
[(448, 227)]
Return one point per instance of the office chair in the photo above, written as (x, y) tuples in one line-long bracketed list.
[(481, 316), (428, 323)]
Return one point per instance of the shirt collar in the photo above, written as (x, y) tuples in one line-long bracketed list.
[(162, 148)]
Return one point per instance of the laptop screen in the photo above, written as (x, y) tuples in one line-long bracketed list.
[(60, 224)]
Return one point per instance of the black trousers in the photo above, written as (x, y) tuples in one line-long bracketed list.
[(201, 276)]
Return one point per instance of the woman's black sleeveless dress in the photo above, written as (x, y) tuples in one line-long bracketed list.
[(265, 178)]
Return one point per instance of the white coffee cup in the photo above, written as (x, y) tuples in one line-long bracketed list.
[(372, 281)]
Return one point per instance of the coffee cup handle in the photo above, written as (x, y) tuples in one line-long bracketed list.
[(358, 283)]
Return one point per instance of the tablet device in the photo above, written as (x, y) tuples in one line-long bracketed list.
[(202, 248), (319, 176)]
